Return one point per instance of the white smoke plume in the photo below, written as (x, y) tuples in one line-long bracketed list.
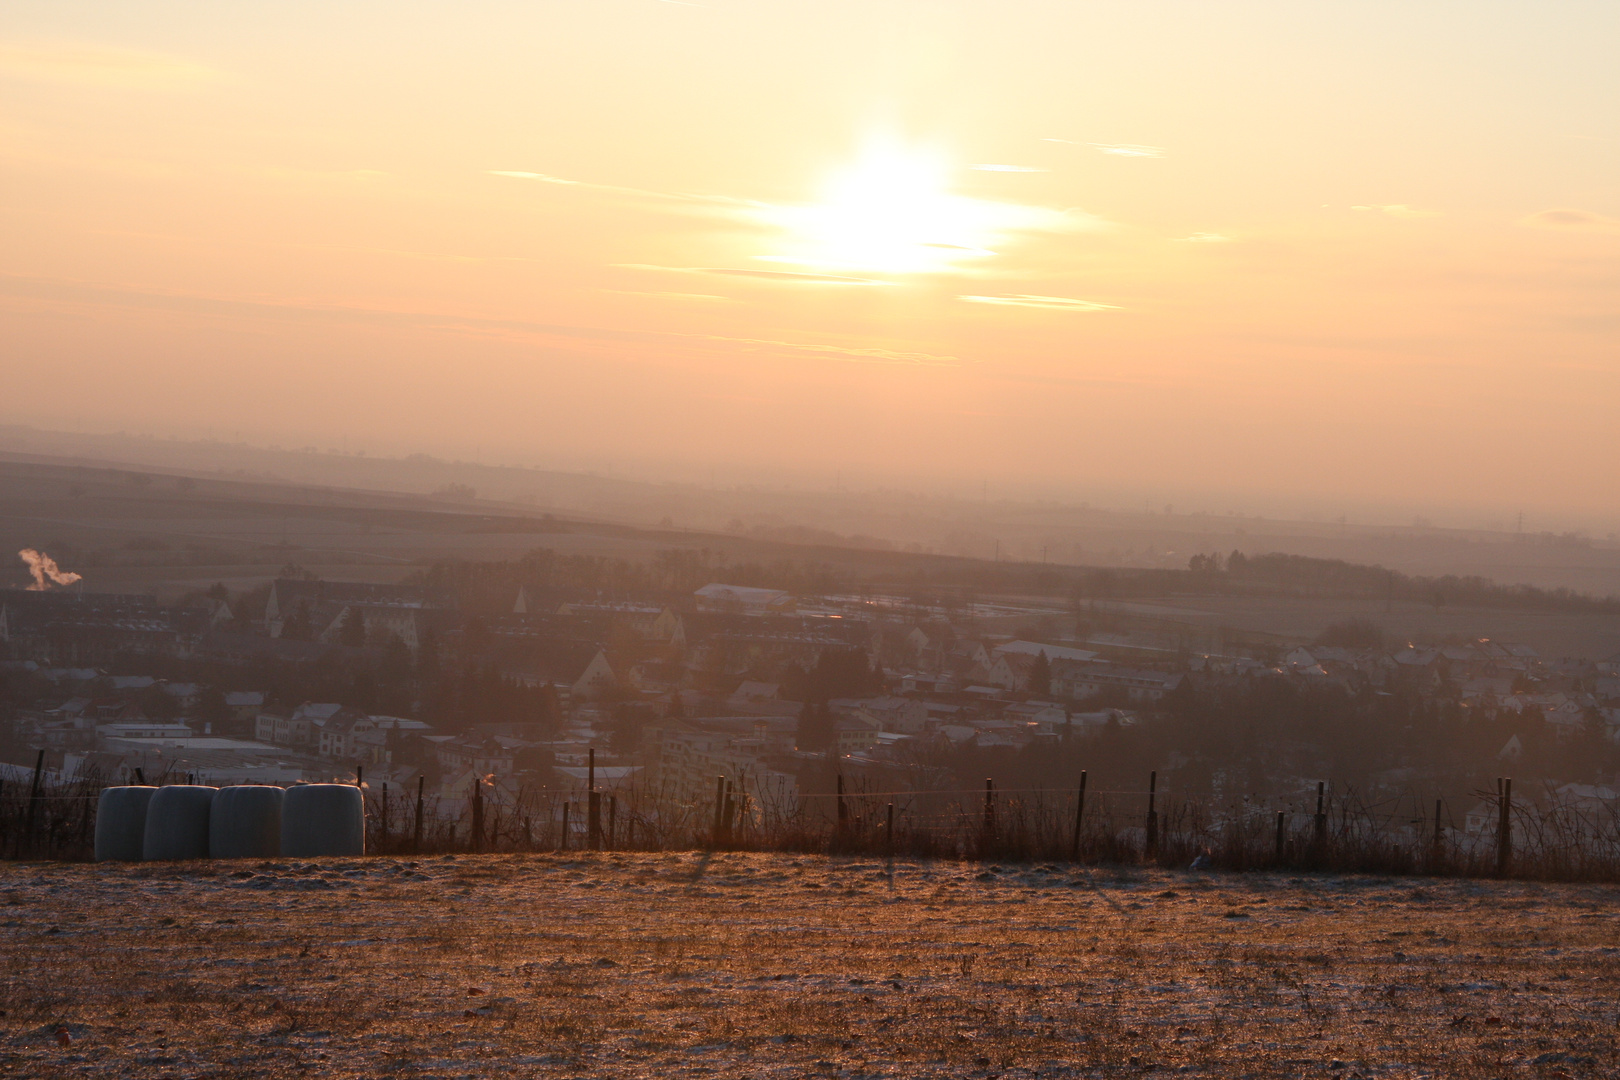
[(45, 570)]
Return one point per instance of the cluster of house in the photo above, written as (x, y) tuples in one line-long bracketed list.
[(1572, 697), (708, 667), (109, 730)]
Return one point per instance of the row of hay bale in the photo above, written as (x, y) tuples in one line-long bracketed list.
[(190, 821)]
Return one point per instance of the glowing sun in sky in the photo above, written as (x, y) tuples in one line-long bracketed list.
[(892, 212)]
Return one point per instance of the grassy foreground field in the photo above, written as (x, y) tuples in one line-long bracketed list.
[(738, 965)]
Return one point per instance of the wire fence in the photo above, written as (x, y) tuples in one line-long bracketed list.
[(1335, 831)]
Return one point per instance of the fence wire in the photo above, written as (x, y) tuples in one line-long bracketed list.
[(1547, 840)]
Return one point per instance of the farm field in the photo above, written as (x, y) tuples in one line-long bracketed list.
[(727, 965)]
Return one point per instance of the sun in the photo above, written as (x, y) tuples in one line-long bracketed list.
[(891, 212)]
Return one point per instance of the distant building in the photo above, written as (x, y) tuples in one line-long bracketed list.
[(689, 761), (649, 622), (323, 608), (300, 728), (576, 669), (743, 600), (1053, 652), (1078, 681), (71, 628), (483, 757)]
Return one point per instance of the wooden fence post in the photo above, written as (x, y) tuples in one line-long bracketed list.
[(1439, 851), (1504, 825), (989, 810), (1152, 816), (613, 819), (593, 805), (416, 834), (720, 809), (477, 815), (33, 796), (1281, 836), (1079, 814), (888, 836), (730, 814), (1321, 815), (840, 814)]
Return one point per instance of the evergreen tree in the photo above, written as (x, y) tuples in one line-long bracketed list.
[(1040, 675), (352, 630), (815, 731)]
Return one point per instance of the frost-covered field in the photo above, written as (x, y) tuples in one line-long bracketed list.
[(768, 965)]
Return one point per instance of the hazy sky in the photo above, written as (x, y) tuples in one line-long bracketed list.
[(1351, 255)]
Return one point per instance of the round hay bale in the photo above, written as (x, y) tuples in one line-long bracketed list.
[(121, 823), (245, 822), (322, 819), (177, 822)]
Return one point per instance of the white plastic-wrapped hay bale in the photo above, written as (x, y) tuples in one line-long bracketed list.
[(121, 823), (322, 819), (177, 822), (245, 823)]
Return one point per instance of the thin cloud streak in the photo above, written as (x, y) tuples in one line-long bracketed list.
[(1048, 303), (766, 275), (1569, 220), (668, 295), (1399, 210), (542, 177), (1128, 150), (98, 65), (868, 356), (637, 193)]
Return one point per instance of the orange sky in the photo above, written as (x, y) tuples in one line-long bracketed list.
[(1332, 257)]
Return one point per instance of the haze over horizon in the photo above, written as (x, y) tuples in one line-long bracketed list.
[(1342, 259)]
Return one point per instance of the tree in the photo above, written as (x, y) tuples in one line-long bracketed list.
[(1040, 675), (837, 673), (158, 704), (211, 708), (296, 626), (629, 721), (352, 630), (1353, 634), (815, 730)]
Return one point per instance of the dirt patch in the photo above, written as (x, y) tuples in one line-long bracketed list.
[(685, 965)]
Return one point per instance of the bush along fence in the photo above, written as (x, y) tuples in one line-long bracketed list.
[(44, 818)]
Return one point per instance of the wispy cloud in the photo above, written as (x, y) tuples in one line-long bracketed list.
[(787, 276), (855, 354), (78, 297), (1400, 210), (1116, 149), (1049, 303), (1005, 168), (99, 65), (1573, 220), (1204, 238), (635, 193), (668, 295), (1128, 150), (542, 177)]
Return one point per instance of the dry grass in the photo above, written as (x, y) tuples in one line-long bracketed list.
[(729, 965)]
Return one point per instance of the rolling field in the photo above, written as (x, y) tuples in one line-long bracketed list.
[(634, 965)]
